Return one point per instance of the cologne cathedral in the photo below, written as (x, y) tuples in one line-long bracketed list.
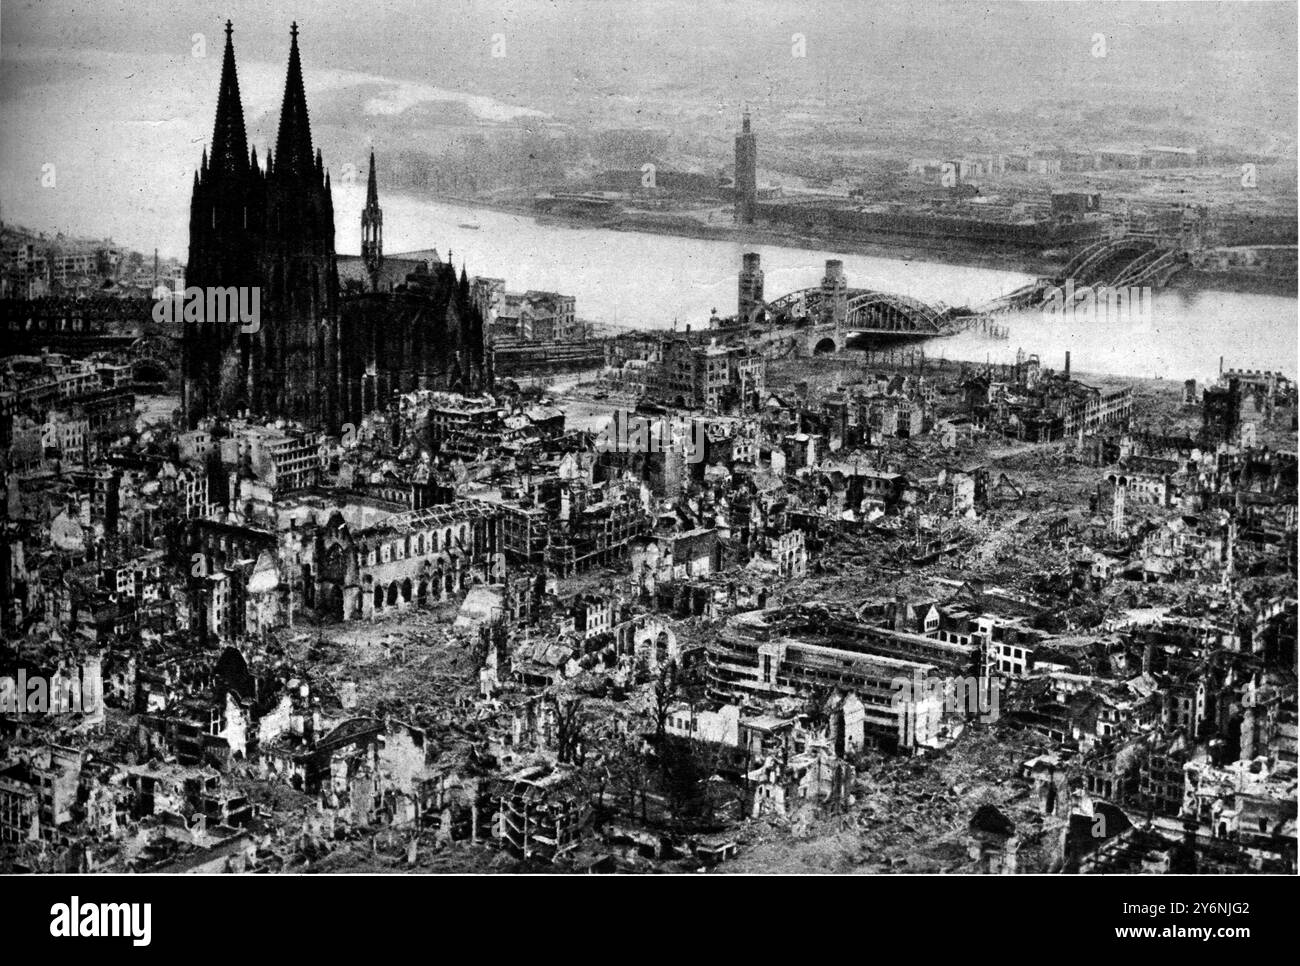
[(320, 356)]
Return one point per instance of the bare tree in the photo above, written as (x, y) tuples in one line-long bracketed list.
[(570, 721), (629, 773), (665, 694), (682, 779)]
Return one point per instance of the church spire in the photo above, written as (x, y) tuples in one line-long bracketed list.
[(293, 152), (372, 188), (372, 229), (229, 143)]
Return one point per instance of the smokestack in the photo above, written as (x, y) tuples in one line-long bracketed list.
[(1067, 363)]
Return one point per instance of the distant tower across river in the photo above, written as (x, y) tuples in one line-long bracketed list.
[(746, 178)]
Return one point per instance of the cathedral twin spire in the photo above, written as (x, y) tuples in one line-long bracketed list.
[(229, 143), (271, 229), (312, 360), (293, 154), (293, 151)]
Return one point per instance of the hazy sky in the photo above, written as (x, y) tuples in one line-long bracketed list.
[(446, 40), (112, 95)]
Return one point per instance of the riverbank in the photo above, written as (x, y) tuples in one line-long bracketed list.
[(648, 281), (896, 249), (893, 249)]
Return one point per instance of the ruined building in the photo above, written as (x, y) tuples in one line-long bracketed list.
[(312, 356), (1221, 413)]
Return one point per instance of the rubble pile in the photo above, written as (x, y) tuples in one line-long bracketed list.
[(918, 618)]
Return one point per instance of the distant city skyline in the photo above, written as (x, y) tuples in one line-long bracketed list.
[(69, 76)]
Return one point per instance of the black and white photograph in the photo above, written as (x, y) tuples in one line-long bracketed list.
[(685, 437)]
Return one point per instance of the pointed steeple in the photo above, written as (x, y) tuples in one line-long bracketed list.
[(293, 143), (372, 187), (462, 290), (229, 143), (372, 229)]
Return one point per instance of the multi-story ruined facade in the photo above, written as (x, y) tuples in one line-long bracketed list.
[(404, 560)]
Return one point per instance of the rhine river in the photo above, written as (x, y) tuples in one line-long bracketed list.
[(655, 281)]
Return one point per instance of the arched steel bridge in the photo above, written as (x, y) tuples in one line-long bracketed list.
[(869, 312), (1132, 259)]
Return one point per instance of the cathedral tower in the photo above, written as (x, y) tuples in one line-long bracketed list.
[(271, 231), (225, 236), (311, 357), (297, 371)]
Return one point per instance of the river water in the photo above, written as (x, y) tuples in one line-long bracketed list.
[(656, 281)]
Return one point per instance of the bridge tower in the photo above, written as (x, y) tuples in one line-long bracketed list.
[(1192, 227), (835, 293), (750, 305)]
